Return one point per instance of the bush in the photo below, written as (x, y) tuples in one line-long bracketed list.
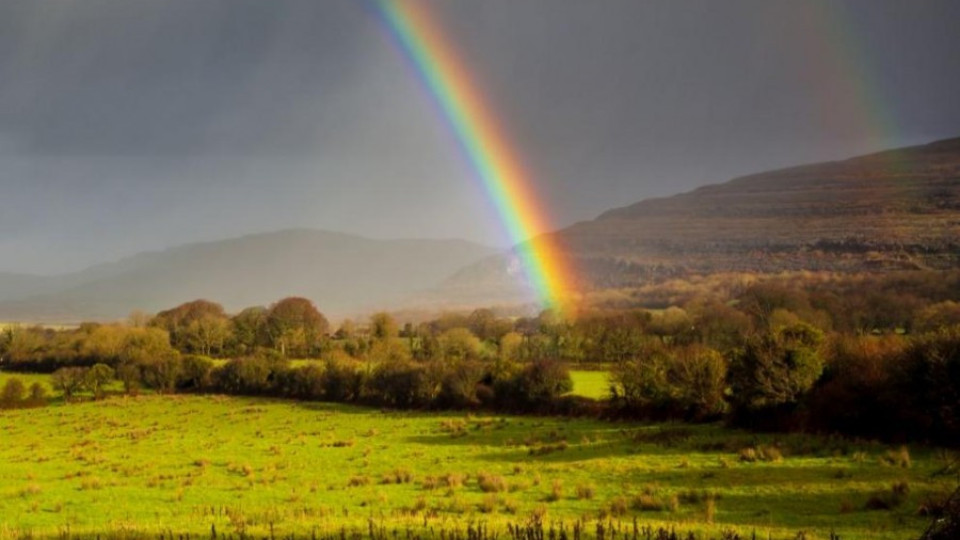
[(585, 491), (459, 385), (38, 393), (305, 382), (403, 384), (12, 393), (888, 500), (491, 483), (195, 373), (161, 373), (253, 375), (343, 379)]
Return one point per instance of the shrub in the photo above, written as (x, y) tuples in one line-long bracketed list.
[(38, 393), (161, 373), (888, 500), (585, 491), (452, 480), (491, 483), (760, 453), (343, 379), (12, 393), (618, 506), (195, 373), (403, 384), (898, 458), (459, 384), (252, 375), (556, 490), (488, 504), (356, 481), (648, 503)]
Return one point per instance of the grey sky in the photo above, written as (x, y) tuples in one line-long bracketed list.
[(131, 126)]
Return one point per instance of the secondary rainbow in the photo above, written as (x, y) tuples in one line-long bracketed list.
[(483, 142)]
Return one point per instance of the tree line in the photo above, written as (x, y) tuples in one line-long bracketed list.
[(788, 355)]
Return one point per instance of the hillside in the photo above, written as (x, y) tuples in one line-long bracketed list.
[(898, 209), (341, 273)]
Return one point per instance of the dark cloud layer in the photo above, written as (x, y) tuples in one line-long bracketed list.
[(127, 126)]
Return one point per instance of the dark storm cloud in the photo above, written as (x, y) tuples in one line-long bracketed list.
[(136, 125), (113, 77)]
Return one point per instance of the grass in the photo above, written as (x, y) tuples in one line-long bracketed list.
[(591, 384), (189, 463)]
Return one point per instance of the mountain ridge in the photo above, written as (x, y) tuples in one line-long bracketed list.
[(897, 209)]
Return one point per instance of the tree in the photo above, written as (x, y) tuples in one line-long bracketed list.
[(98, 376), (196, 326), (459, 344), (207, 334), (347, 330), (698, 377), (69, 380), (249, 329), (539, 382), (383, 326), (776, 368), (104, 343), (487, 326), (295, 327), (641, 382)]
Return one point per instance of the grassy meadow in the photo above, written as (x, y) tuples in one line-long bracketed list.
[(192, 464), (591, 384)]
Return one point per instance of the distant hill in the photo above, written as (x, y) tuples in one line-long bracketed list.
[(898, 209), (341, 273), (892, 210)]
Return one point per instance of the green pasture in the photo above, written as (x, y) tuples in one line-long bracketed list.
[(193, 464), (591, 384)]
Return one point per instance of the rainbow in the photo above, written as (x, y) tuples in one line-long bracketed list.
[(484, 143)]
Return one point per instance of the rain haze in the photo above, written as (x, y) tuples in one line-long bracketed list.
[(127, 127)]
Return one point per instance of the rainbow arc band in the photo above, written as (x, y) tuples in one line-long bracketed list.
[(484, 143)]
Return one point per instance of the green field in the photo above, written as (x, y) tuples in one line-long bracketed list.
[(591, 384), (189, 463)]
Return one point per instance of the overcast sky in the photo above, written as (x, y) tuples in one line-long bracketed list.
[(132, 126)]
